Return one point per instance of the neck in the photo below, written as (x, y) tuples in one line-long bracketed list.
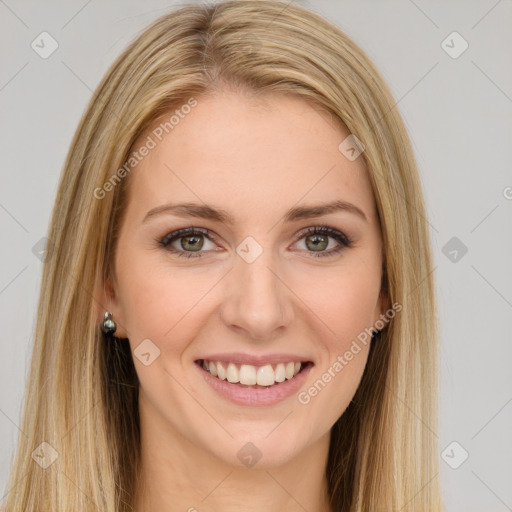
[(178, 475)]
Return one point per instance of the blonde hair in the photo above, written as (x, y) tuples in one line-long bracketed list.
[(82, 391)]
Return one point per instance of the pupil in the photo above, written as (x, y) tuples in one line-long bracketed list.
[(319, 241), (192, 247)]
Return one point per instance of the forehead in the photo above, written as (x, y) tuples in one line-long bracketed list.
[(246, 154)]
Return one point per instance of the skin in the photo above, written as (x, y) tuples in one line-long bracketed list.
[(254, 158)]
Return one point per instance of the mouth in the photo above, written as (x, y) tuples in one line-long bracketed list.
[(250, 376)]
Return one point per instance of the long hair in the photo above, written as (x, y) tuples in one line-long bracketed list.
[(82, 392)]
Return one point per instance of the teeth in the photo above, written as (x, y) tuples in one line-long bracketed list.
[(232, 373), (250, 375), (221, 372), (280, 373), (289, 370), (265, 375), (212, 368), (247, 375)]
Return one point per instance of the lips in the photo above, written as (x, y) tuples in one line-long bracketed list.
[(254, 394)]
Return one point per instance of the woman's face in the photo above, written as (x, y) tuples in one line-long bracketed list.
[(250, 284)]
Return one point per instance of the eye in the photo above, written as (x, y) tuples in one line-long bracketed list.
[(316, 240), (187, 242)]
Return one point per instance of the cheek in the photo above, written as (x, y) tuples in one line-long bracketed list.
[(345, 306), (344, 299), (157, 299)]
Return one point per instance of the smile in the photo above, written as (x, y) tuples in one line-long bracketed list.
[(260, 384), (253, 376)]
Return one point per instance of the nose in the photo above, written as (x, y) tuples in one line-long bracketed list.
[(257, 299)]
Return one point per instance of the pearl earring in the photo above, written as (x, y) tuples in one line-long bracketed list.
[(109, 326)]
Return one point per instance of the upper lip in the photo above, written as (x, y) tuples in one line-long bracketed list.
[(255, 360)]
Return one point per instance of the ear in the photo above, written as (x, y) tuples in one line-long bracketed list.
[(383, 302), (383, 305), (106, 298)]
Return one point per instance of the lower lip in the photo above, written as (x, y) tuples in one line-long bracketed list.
[(257, 396)]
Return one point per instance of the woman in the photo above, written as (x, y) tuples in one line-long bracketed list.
[(238, 313)]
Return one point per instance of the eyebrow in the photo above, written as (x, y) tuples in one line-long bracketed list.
[(205, 211)]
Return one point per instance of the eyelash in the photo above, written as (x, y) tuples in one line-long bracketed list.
[(340, 237)]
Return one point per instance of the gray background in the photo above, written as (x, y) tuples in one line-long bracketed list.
[(458, 112)]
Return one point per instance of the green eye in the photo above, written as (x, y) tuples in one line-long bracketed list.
[(192, 241), (317, 239)]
